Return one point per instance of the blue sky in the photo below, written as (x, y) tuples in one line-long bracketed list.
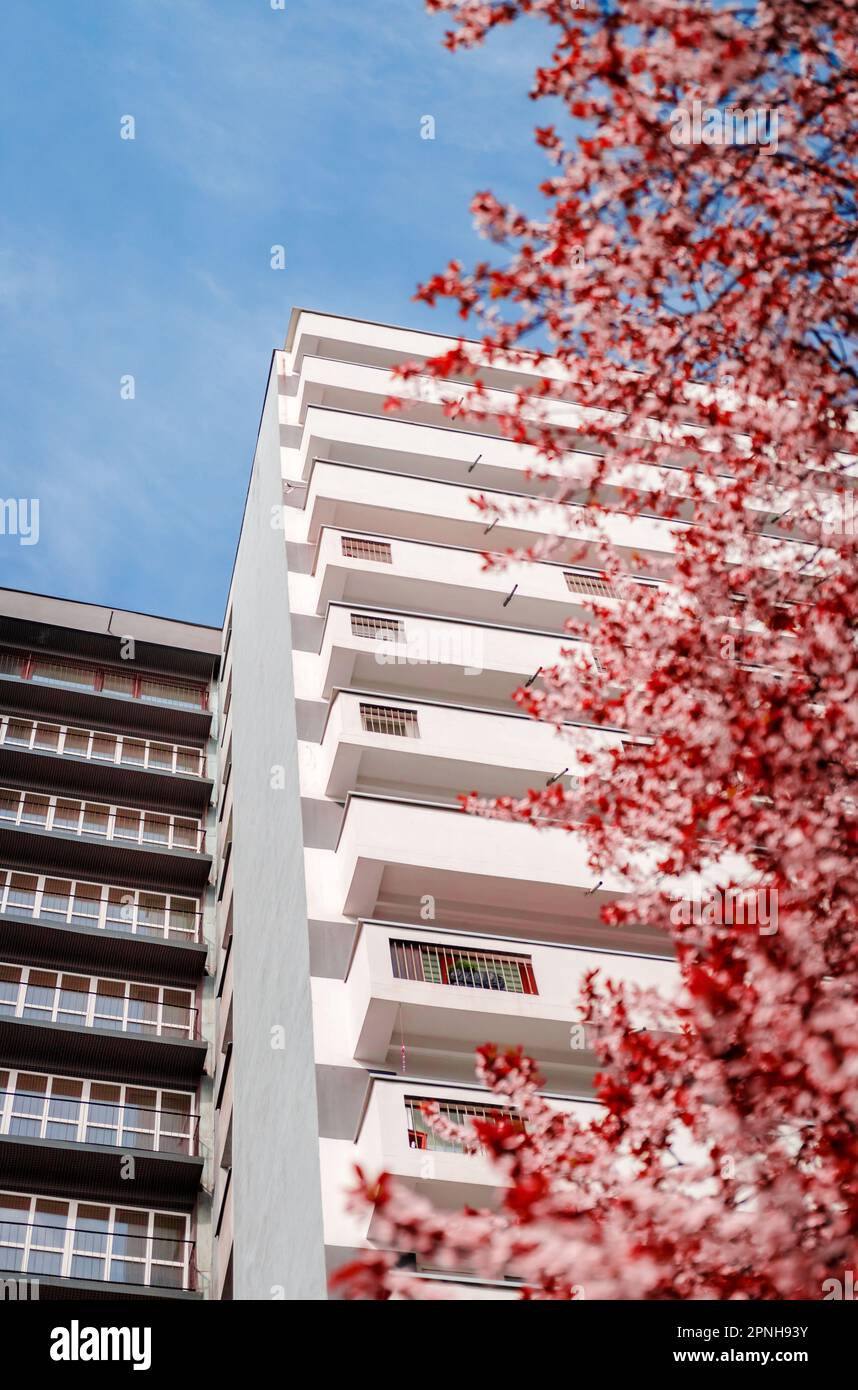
[(254, 126)]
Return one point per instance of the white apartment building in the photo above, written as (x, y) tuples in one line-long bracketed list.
[(370, 935)]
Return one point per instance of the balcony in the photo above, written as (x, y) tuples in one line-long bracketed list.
[(96, 1250), (61, 1133), (112, 1027), (393, 1136), (106, 694), (397, 859), (453, 991), (74, 921), (392, 504), (62, 741), (116, 1005), (447, 581), (37, 828), (429, 446), (389, 649), (442, 751), (340, 405), (37, 753)]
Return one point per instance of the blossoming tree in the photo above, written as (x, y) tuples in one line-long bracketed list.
[(685, 304)]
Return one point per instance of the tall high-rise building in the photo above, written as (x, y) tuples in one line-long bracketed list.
[(245, 929), (106, 919), (370, 935)]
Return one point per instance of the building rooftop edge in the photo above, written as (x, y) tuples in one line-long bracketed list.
[(102, 619), (300, 309)]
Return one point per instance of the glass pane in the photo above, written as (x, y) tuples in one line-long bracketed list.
[(110, 1003), (19, 731), (133, 751), (130, 1236), (89, 1242), (183, 916), (35, 811), (176, 1012), (22, 892), (14, 1213), (47, 736), (166, 692), (143, 1009), (10, 986), (152, 913), (117, 683), (40, 994), (56, 898), (127, 825), (185, 833), (62, 674), (67, 815), (87, 905), (96, 819), (169, 1242), (120, 910), (156, 829), (161, 755)]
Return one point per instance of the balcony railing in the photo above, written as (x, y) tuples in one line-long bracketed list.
[(83, 1240), (107, 680), (436, 964), (66, 1114), (50, 996), (58, 814), (119, 749), (76, 903), (421, 1134)]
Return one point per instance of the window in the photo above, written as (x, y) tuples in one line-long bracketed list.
[(10, 988), (133, 752), (19, 731), (367, 625), (579, 582), (80, 1240), (65, 902), (387, 719), (62, 673), (357, 548), (34, 809), (85, 1001), (19, 894), (47, 736), (167, 692), (104, 747)]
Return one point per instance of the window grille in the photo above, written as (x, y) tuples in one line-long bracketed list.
[(592, 584), (453, 965), (367, 625), (357, 548), (385, 719)]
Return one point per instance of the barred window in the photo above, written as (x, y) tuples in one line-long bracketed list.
[(593, 584), (368, 625), (357, 548), (456, 965), (386, 719)]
